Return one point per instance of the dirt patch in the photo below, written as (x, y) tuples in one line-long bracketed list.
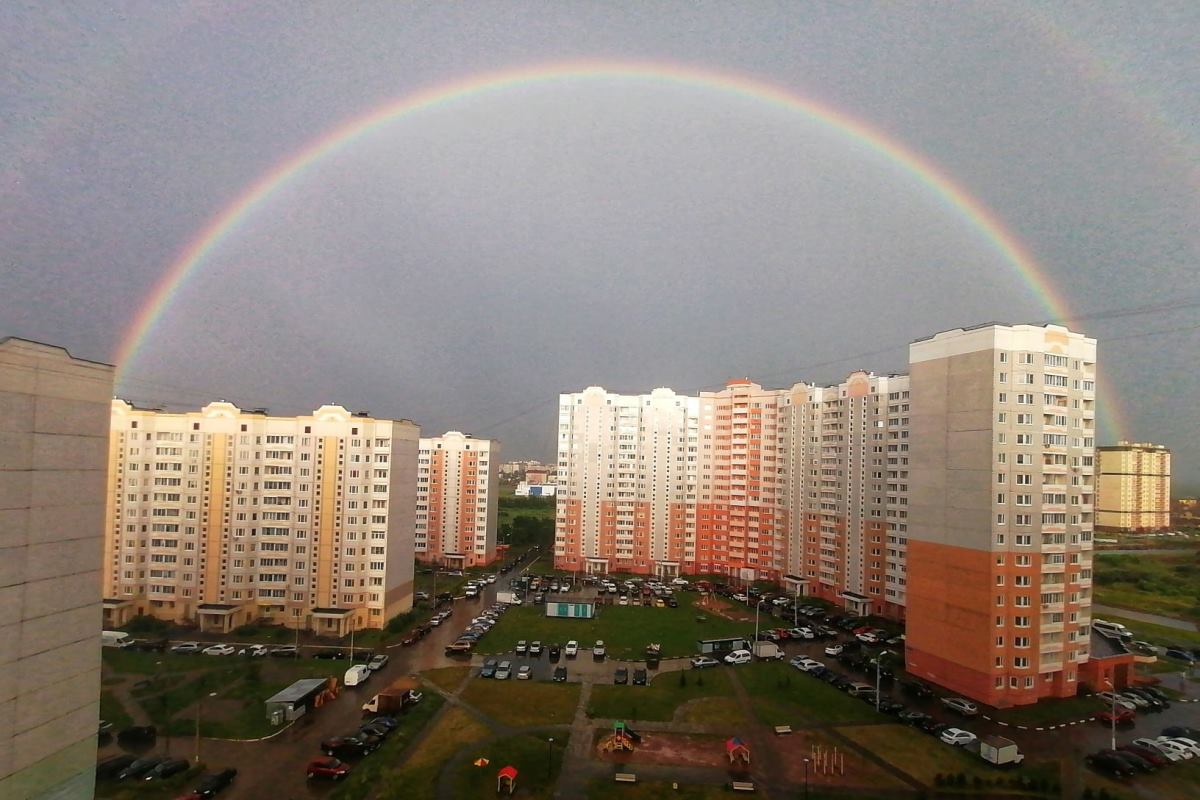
[(831, 763), (715, 604), (672, 749)]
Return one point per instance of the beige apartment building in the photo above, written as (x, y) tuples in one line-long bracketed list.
[(1134, 488), (1000, 514), (53, 446), (223, 516), (457, 500)]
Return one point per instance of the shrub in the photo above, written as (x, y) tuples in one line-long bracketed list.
[(246, 630), (144, 624), (682, 678), (397, 623)]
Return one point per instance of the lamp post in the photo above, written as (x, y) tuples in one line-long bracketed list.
[(806, 760), (199, 704), (757, 607), (1113, 717), (878, 678), (549, 756), (796, 607)]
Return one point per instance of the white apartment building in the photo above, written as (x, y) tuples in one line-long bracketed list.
[(53, 445), (1002, 492), (226, 516), (457, 500)]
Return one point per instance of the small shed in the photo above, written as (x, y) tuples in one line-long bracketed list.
[(506, 778), (294, 701)]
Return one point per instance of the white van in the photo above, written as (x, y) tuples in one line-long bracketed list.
[(1113, 630), (357, 674), (115, 639)]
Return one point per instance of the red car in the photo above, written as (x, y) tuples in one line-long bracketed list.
[(328, 768), (1122, 716), (783, 633)]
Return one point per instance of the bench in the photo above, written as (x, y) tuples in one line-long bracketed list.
[(781, 730), (742, 786), (625, 777)]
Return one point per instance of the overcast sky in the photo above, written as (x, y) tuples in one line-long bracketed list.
[(462, 266)]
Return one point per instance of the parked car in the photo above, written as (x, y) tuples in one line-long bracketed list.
[(1135, 762), (377, 662), (219, 650), (332, 655), (331, 768), (1189, 745), (1179, 654), (254, 650), (704, 662), (524, 672), (560, 674), (599, 650), (342, 746), (488, 670), (212, 785), (535, 649), (285, 651), (1147, 754), (957, 736), (112, 766), (105, 728), (834, 650), (504, 671), (1157, 746), (1115, 699), (571, 649), (639, 676), (522, 647), (1181, 730), (621, 675), (916, 688), (186, 648), (553, 653), (1123, 716), (139, 767), (739, 657), (914, 718), (1108, 763), (961, 705), (167, 768)]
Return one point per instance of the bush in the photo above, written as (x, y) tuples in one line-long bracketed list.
[(399, 622), (682, 677), (246, 630), (143, 625)]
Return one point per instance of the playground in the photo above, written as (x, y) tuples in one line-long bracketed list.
[(623, 745)]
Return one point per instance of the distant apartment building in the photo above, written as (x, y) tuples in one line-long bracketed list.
[(223, 516), (53, 446), (1000, 513), (846, 459), (457, 496), (1134, 488)]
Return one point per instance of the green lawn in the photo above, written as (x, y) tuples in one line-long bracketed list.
[(447, 678), (522, 703), (922, 756), (784, 696), (379, 771), (1051, 711), (1158, 583), (626, 630), (417, 777), (538, 763), (112, 711), (658, 700)]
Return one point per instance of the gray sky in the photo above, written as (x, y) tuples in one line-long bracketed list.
[(464, 265)]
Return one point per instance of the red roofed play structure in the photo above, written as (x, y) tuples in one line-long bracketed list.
[(738, 752), (506, 778)]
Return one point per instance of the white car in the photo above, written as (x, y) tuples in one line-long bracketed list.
[(741, 598), (805, 664), (802, 633), (220, 650), (738, 657), (1140, 702), (490, 578), (1176, 746), (1188, 744), (961, 705), (1157, 746), (834, 650), (679, 582), (377, 662), (957, 736), (254, 650), (572, 649), (781, 601), (525, 672), (624, 601), (598, 649)]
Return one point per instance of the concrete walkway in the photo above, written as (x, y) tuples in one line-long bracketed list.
[(1141, 616)]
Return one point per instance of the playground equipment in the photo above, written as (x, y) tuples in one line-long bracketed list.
[(828, 760), (738, 752), (506, 778), (622, 739)]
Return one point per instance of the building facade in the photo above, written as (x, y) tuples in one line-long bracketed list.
[(223, 516), (53, 447), (457, 496), (1134, 488), (1000, 514)]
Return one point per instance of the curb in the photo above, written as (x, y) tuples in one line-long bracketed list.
[(259, 739)]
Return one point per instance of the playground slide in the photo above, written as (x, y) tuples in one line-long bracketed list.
[(633, 735)]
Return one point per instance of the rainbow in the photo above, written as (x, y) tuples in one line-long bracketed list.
[(225, 223)]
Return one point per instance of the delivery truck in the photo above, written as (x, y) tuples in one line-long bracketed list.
[(512, 598), (1000, 752), (395, 698), (765, 651)]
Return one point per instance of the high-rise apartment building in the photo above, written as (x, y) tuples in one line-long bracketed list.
[(457, 497), (225, 516), (53, 445), (1001, 493), (847, 466), (1134, 488)]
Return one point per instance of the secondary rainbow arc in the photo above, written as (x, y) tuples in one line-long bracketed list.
[(226, 222)]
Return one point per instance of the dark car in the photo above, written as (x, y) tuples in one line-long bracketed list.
[(391, 723), (621, 675), (932, 726), (554, 652), (1177, 731), (165, 769), (372, 729), (1156, 704), (916, 688), (914, 718), (211, 785), (285, 651), (1109, 764), (151, 645), (639, 677), (137, 734), (560, 674), (672, 602), (889, 706), (330, 768), (112, 766), (1180, 654), (342, 746), (329, 654), (1135, 762), (140, 767), (1146, 754), (489, 669)]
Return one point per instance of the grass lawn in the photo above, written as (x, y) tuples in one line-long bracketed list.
[(608, 789), (918, 754), (658, 700), (538, 763), (1051, 711), (1158, 583), (447, 678), (784, 696), (112, 711), (417, 778), (722, 711), (521, 703), (626, 630), (379, 770)]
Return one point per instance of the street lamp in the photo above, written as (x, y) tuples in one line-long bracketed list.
[(757, 607), (878, 677), (806, 760), (549, 756), (199, 704), (1113, 717)]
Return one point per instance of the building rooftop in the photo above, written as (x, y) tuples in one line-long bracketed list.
[(298, 690)]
